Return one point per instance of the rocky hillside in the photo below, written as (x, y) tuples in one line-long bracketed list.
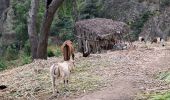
[(142, 15), (158, 25)]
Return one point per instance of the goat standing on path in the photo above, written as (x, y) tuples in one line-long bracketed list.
[(61, 70)]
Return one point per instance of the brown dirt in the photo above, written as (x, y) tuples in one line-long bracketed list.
[(135, 75), (114, 75)]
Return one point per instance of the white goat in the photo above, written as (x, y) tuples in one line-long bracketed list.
[(158, 40), (142, 39), (61, 70)]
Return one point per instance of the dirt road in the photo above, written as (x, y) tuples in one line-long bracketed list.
[(134, 75)]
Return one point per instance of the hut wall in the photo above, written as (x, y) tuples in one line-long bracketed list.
[(93, 29), (93, 43)]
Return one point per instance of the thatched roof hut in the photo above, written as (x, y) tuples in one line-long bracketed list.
[(99, 33)]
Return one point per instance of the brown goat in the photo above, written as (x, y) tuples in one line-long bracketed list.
[(67, 49)]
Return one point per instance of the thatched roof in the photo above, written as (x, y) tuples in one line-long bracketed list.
[(101, 27)]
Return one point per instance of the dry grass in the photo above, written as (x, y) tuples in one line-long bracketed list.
[(32, 81)]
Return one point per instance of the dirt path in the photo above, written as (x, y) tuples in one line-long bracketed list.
[(134, 79)]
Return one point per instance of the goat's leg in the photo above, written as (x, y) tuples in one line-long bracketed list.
[(53, 84), (73, 56), (67, 81), (65, 85)]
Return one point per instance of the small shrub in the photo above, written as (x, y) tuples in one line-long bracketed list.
[(11, 53), (160, 96), (165, 3), (24, 58), (53, 51), (27, 48), (139, 24), (164, 76), (2, 65), (57, 52), (50, 53)]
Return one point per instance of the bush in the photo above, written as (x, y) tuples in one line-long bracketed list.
[(161, 96), (50, 53), (11, 53), (90, 9), (63, 28), (27, 48), (20, 25), (2, 65), (164, 76), (139, 23), (53, 51), (165, 3), (57, 52), (26, 59)]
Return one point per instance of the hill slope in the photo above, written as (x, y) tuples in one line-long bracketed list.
[(112, 75)]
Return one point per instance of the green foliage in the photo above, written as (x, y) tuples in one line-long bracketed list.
[(57, 52), (63, 28), (63, 23), (50, 53), (90, 9), (0, 34), (13, 56), (53, 51), (21, 8), (11, 53), (27, 48), (164, 76), (2, 65), (25, 59), (164, 3), (139, 23), (161, 96), (165, 95)]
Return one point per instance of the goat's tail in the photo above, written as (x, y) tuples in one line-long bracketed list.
[(52, 71)]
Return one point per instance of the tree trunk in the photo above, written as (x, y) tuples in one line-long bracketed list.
[(45, 28), (33, 36)]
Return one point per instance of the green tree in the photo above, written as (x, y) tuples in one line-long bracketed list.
[(20, 25), (39, 42)]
